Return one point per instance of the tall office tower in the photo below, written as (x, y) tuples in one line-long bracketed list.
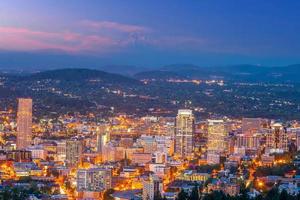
[(99, 143), (251, 125), (216, 140), (216, 136), (93, 180), (184, 132), (152, 187), (102, 139), (61, 149), (73, 152), (276, 140), (24, 123), (298, 140)]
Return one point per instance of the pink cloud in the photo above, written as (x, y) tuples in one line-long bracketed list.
[(13, 38), (116, 37), (126, 28)]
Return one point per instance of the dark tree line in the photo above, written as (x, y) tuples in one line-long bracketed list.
[(273, 194)]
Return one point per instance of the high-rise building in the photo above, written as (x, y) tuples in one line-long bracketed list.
[(152, 187), (24, 123), (103, 137), (73, 152), (102, 140), (184, 132), (298, 140), (61, 149), (216, 136), (112, 153), (251, 125), (276, 140), (93, 179), (249, 142)]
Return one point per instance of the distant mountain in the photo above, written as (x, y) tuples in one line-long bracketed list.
[(62, 91), (125, 70), (157, 74), (177, 71), (251, 73), (179, 67), (66, 90), (80, 75)]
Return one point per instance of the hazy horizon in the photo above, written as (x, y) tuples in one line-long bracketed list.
[(142, 33)]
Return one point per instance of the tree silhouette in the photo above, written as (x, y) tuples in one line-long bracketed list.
[(182, 195), (273, 194), (283, 195), (195, 194)]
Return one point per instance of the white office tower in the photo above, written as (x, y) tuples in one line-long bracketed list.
[(184, 132), (102, 139), (152, 187)]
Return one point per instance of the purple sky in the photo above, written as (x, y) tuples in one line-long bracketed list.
[(156, 32)]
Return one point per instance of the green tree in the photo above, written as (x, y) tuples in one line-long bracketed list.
[(216, 195), (298, 196), (243, 192), (259, 197)]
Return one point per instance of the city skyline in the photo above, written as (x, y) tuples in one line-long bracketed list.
[(149, 100)]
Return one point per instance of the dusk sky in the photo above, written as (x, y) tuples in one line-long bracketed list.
[(153, 32)]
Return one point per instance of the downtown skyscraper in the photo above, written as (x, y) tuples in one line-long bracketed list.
[(216, 143), (73, 151), (24, 123), (184, 132)]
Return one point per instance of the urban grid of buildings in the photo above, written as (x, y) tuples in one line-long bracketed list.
[(148, 158)]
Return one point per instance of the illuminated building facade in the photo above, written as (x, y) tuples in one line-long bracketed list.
[(248, 141), (24, 123), (148, 143), (276, 140), (19, 156), (61, 149), (251, 125), (37, 152), (73, 152), (93, 179), (103, 137), (184, 132), (152, 187), (216, 136), (298, 140)]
